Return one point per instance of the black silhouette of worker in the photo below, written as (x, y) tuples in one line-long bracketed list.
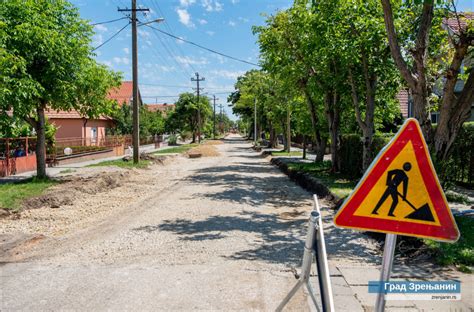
[(394, 179)]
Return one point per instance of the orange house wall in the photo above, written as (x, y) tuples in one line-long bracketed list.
[(74, 128)]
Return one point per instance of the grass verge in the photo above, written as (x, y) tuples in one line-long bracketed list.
[(460, 253), (123, 164), (338, 184), (12, 194), (177, 149)]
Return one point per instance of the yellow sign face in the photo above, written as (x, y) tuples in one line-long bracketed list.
[(417, 196)]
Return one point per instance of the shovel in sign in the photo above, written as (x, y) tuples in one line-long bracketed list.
[(422, 213)]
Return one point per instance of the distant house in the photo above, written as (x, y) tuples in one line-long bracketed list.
[(71, 124), (163, 108), (452, 26)]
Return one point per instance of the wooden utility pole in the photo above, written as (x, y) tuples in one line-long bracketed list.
[(136, 104), (214, 129), (197, 79), (255, 122)]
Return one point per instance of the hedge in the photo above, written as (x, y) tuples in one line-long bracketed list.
[(459, 168)]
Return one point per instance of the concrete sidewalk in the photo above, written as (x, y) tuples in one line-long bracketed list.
[(54, 171)]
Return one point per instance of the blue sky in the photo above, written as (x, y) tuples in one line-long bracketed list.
[(166, 65)]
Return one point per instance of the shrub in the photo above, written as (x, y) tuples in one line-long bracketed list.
[(172, 139)]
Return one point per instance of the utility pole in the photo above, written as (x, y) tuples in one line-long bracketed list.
[(255, 122), (197, 79), (221, 124), (214, 130), (136, 104)]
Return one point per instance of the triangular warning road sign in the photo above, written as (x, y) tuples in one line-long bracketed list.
[(400, 192)]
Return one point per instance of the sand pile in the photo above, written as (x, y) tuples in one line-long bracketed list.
[(213, 142), (203, 150)]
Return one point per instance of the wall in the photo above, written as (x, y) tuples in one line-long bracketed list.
[(68, 128)]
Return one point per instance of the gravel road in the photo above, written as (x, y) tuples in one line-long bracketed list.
[(213, 233)]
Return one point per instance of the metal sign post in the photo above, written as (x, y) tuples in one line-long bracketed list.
[(314, 245), (387, 262), (322, 264)]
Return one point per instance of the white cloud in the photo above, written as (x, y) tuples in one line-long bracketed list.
[(184, 17), (126, 50), (202, 21), (186, 60), (180, 41), (167, 69), (243, 19), (212, 5), (107, 63), (100, 28), (234, 1), (232, 23), (144, 33), (210, 33), (97, 40), (227, 73), (186, 3), (121, 60)]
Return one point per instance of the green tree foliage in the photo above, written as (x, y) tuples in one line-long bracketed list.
[(151, 123), (49, 64), (185, 116)]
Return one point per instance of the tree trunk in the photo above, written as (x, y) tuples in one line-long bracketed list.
[(40, 143), (304, 146), (421, 113), (452, 116), (288, 129), (320, 147), (194, 137), (332, 111)]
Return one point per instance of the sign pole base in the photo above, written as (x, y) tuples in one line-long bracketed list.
[(387, 263), (314, 245)]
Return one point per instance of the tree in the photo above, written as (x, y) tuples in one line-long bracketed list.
[(185, 115), (372, 75), (49, 65), (414, 55)]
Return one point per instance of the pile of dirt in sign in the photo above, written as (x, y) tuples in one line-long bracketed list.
[(204, 151), (213, 142), (66, 192)]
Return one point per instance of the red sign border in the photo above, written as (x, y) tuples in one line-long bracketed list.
[(446, 231)]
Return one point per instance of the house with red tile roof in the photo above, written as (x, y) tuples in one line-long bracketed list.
[(163, 108), (71, 124)]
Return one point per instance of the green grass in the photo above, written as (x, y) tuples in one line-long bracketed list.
[(12, 194), (123, 164), (177, 149), (338, 184), (460, 253), (284, 153)]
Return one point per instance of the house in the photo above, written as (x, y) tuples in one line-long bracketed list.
[(72, 125), (163, 108), (452, 26)]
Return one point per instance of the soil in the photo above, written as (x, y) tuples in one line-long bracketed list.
[(204, 151)]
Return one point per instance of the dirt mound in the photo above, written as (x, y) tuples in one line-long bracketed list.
[(47, 200), (204, 151), (213, 142), (65, 193)]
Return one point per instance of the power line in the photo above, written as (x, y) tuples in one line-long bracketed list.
[(202, 47), (106, 41), (111, 21)]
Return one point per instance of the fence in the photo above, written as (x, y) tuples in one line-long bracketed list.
[(17, 155)]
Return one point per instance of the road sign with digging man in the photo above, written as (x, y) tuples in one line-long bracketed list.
[(400, 192)]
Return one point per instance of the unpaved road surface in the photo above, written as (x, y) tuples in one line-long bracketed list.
[(213, 233)]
